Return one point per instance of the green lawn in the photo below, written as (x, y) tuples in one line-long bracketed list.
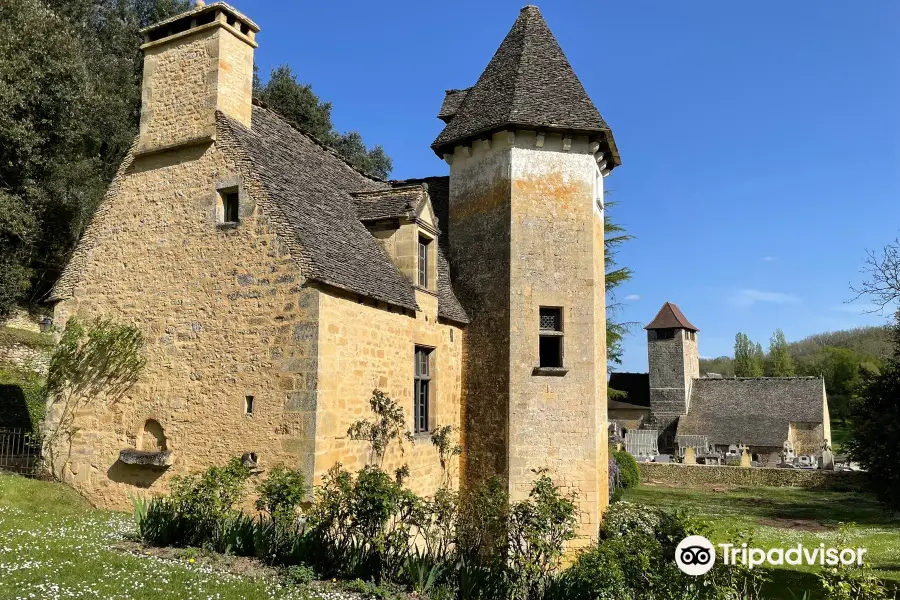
[(784, 517), (53, 546)]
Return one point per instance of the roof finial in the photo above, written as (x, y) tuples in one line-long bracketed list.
[(199, 4)]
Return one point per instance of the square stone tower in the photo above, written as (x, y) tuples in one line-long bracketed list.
[(195, 63), (674, 364), (528, 152)]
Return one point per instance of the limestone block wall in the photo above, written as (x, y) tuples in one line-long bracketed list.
[(187, 77), (225, 315), (25, 357), (525, 233), (704, 475), (480, 254), (558, 422), (807, 437), (363, 346)]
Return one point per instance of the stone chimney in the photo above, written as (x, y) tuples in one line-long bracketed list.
[(195, 63)]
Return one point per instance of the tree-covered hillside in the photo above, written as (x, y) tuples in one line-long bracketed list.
[(840, 357)]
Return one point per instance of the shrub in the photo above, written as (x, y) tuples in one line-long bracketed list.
[(635, 558), (852, 584), (200, 512), (629, 474), (281, 493)]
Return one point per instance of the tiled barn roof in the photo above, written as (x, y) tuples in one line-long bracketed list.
[(529, 82), (752, 411)]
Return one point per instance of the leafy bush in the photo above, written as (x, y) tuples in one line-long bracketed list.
[(629, 474), (852, 584), (538, 529), (635, 558), (200, 511), (281, 493)]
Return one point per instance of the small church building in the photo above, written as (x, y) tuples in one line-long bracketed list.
[(761, 413), (277, 286)]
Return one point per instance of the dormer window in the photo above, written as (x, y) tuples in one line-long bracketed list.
[(424, 263)]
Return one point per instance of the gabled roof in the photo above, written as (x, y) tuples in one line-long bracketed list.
[(390, 203), (529, 82), (752, 411), (439, 193), (670, 317), (452, 100), (635, 385)]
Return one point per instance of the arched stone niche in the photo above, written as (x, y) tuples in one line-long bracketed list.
[(152, 437)]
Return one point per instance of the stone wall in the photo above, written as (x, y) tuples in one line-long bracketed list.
[(364, 346), (703, 475), (187, 77), (25, 357), (225, 315), (530, 205)]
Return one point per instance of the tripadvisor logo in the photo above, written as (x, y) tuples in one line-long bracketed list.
[(696, 555)]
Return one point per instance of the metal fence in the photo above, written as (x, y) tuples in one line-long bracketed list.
[(20, 452)]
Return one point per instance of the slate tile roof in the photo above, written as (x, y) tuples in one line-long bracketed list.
[(392, 203), (670, 317), (324, 200), (439, 192), (452, 100), (752, 411), (636, 385), (312, 186), (529, 82)]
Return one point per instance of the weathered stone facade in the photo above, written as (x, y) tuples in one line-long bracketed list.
[(674, 364), (532, 207)]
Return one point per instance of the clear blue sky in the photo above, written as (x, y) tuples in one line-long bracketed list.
[(760, 140)]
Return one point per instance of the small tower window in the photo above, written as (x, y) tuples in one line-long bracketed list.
[(551, 338), (248, 405), (424, 244), (230, 207), (665, 334)]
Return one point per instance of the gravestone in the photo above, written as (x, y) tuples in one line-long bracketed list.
[(827, 460), (745, 459), (689, 457)]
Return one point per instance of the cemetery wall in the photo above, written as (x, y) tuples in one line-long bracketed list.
[(700, 475)]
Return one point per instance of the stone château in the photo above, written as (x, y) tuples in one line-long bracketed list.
[(277, 286)]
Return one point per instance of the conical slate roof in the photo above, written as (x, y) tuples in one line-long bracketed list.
[(529, 82), (670, 317)]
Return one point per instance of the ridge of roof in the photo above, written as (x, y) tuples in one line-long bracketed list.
[(670, 317)]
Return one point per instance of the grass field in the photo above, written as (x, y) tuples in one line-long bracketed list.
[(784, 517), (54, 546)]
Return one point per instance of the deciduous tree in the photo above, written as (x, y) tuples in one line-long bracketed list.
[(779, 363)]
